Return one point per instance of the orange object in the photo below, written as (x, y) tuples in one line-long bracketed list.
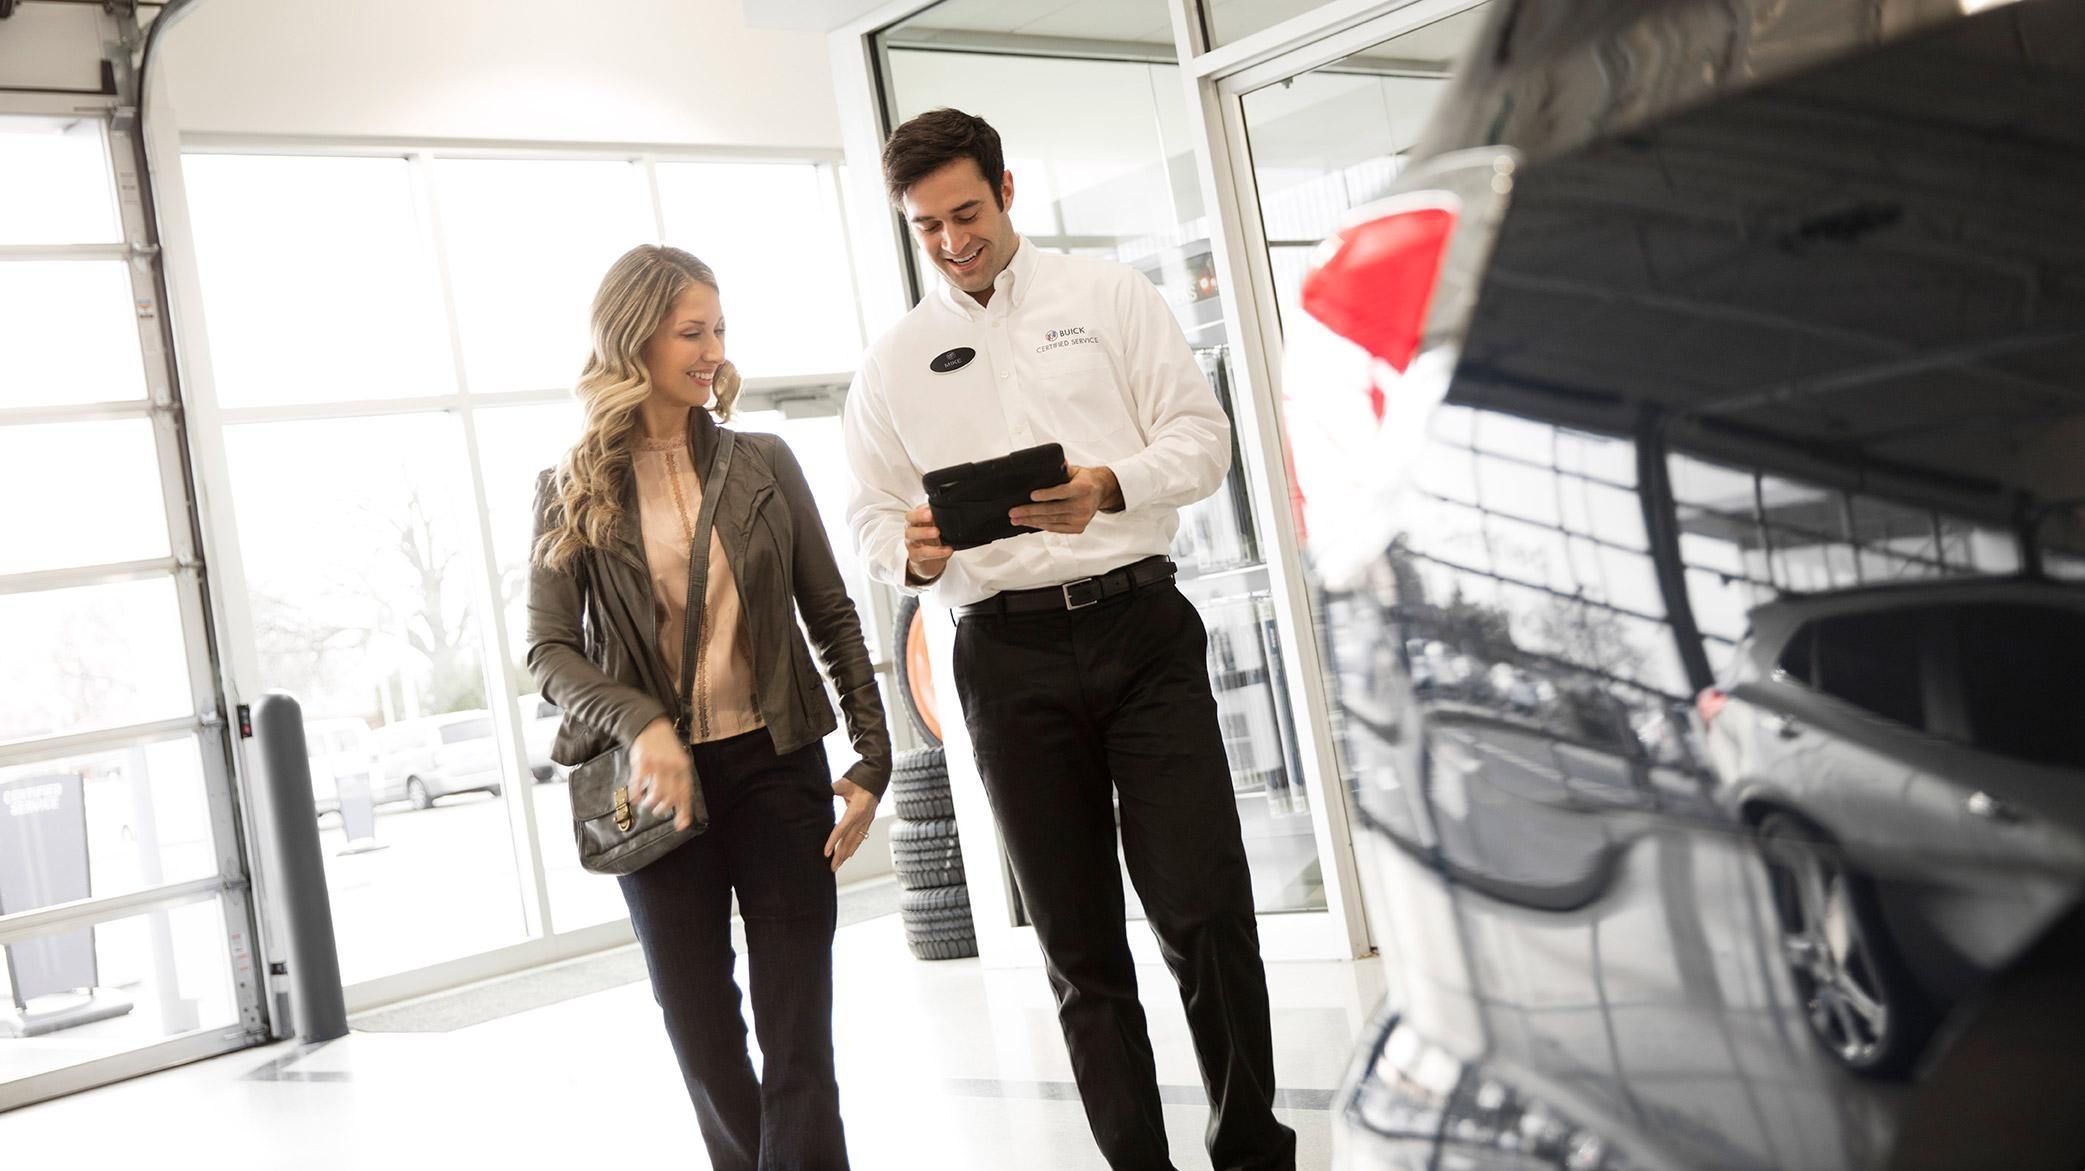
[(919, 674)]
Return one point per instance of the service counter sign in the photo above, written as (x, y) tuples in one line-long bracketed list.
[(43, 862)]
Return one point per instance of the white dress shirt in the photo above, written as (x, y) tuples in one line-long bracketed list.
[(1071, 350)]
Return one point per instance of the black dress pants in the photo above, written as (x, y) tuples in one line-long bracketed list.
[(769, 819), (1066, 709)]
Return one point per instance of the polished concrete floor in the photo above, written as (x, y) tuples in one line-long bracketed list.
[(942, 1065)]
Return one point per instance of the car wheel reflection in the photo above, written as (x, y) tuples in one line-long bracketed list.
[(1856, 994)]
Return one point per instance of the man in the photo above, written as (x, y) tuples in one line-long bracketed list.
[(1082, 671)]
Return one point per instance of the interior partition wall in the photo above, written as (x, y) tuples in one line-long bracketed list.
[(1210, 145)]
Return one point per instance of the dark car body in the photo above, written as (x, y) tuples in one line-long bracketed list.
[(1749, 306)]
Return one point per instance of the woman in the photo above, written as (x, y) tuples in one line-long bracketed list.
[(608, 585)]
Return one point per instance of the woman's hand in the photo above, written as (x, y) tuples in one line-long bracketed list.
[(662, 778), (853, 830)]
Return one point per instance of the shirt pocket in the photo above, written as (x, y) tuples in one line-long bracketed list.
[(1079, 400), (1101, 446), (1073, 359)]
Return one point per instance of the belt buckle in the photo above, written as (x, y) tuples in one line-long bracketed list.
[(1066, 589)]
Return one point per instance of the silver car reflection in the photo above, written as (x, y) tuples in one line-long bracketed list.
[(1856, 733)]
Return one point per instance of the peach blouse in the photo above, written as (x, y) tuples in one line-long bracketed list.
[(668, 497)]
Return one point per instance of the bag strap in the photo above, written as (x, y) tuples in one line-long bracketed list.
[(698, 574)]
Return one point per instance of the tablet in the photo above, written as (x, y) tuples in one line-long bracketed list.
[(970, 501)]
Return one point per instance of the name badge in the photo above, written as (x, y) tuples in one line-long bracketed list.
[(950, 360)]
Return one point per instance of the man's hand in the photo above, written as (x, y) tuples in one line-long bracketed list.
[(1069, 507), (925, 555)]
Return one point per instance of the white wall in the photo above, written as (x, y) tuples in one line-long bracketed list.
[(627, 71)]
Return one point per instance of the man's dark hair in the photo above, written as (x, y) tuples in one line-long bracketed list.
[(935, 139)]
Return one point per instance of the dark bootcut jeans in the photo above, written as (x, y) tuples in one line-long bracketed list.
[(1064, 709), (769, 819)]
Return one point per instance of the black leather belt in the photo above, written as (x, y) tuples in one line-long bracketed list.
[(1075, 595)]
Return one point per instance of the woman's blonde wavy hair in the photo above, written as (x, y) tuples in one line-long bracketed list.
[(633, 300)]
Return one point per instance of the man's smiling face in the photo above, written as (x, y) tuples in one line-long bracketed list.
[(966, 231)]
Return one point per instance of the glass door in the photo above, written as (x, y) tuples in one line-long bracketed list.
[(1328, 140), (1325, 141), (1092, 111), (125, 926), (1224, 572)]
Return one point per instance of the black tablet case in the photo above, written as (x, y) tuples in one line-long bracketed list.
[(970, 501)]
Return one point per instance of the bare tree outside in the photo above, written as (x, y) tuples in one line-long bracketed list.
[(91, 678), (1580, 632), (387, 637)]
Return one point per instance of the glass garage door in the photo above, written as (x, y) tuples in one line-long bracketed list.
[(125, 931)]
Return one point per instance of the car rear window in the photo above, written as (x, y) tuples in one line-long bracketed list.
[(1795, 661), (2023, 681), (1872, 662)]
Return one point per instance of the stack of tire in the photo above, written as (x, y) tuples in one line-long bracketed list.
[(925, 851)]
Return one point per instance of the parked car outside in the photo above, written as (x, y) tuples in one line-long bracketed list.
[(1726, 354), (433, 757)]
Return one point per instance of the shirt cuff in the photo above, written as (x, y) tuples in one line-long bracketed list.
[(1133, 477), (905, 582)]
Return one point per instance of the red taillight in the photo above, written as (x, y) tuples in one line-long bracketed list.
[(1710, 704), (1375, 287)]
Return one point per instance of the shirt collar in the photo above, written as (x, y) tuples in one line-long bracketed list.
[(1010, 286)]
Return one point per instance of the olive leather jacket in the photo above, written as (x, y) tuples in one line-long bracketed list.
[(611, 683)]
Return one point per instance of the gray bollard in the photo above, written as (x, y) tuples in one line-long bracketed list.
[(300, 870)]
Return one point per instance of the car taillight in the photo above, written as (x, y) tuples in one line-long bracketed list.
[(1374, 282), (1710, 704)]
